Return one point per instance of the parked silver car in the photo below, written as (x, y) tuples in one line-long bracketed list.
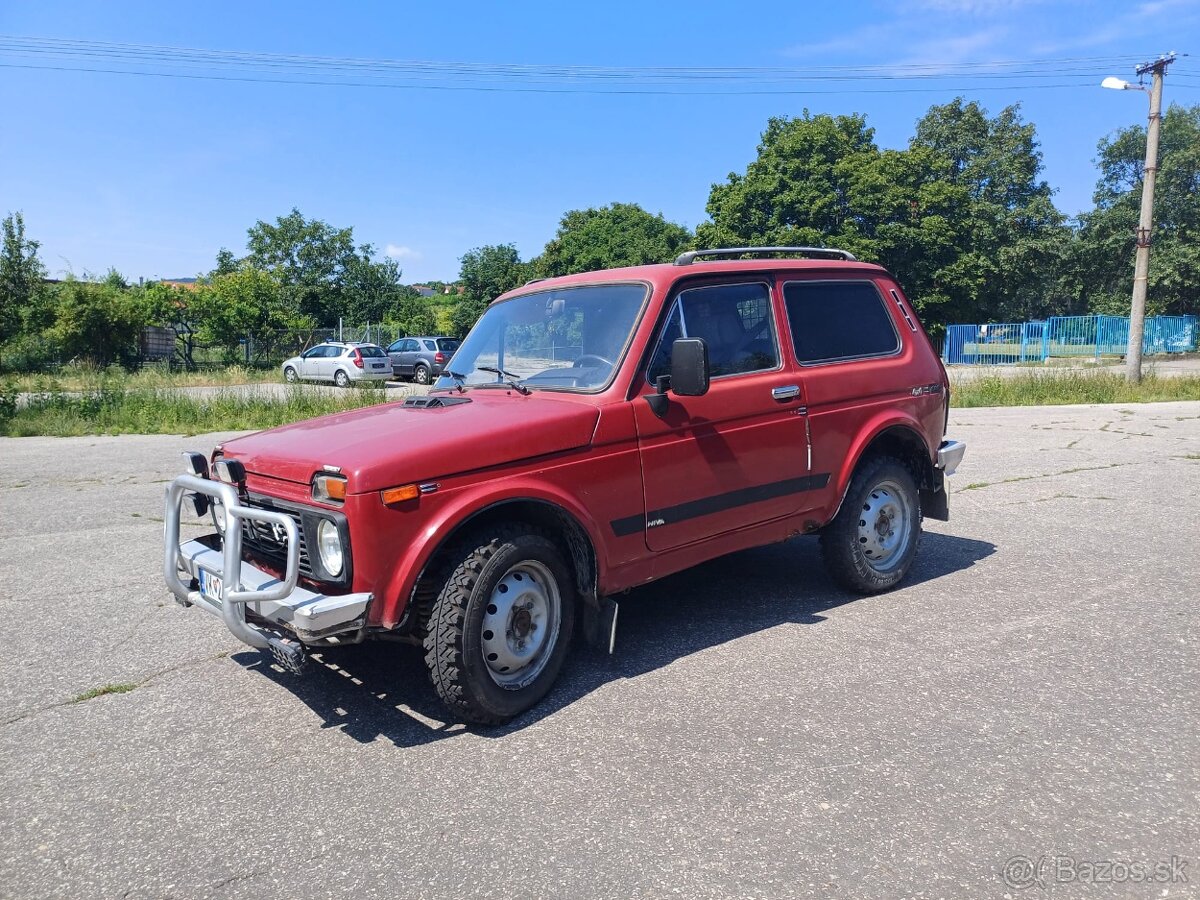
[(341, 363), (421, 359)]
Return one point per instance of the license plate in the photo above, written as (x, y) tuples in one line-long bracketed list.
[(210, 586)]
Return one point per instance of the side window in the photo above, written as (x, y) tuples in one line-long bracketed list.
[(429, 345), (394, 346), (838, 320), (409, 346), (735, 321)]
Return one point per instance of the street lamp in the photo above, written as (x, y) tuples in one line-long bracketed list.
[(1141, 268)]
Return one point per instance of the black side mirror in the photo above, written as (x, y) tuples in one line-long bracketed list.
[(689, 367), (689, 374)]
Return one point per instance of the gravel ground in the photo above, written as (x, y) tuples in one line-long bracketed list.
[(1030, 691)]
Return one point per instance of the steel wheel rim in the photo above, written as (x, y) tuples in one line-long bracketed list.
[(520, 624), (884, 526), (422, 375)]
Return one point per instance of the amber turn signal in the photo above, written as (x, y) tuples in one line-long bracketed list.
[(400, 494), (329, 488)]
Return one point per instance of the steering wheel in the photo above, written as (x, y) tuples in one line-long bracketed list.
[(578, 364)]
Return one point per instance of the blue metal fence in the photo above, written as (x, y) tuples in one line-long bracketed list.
[(1000, 343)]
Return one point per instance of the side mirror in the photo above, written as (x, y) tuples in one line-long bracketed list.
[(689, 374), (689, 367)]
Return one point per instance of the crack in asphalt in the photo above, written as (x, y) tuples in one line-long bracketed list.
[(146, 679), (980, 485)]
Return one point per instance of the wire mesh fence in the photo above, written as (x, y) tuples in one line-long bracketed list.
[(1008, 343)]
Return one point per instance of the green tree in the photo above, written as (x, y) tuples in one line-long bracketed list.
[(1101, 277), (371, 291), (796, 191), (1016, 238), (485, 274), (622, 234), (21, 275), (309, 260), (98, 322), (960, 216), (245, 304)]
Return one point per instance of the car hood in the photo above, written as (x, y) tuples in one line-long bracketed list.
[(390, 444)]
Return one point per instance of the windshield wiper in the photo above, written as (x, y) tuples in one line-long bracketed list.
[(460, 381), (510, 379)]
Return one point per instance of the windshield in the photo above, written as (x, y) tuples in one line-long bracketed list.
[(570, 338)]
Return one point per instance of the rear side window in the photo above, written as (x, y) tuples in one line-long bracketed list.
[(838, 320), (429, 345)]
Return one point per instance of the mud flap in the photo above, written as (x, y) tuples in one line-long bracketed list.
[(935, 502), (600, 624)]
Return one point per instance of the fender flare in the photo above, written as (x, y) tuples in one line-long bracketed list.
[(412, 564), (875, 428)]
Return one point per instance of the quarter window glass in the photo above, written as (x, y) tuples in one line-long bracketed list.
[(832, 320), (734, 320), (429, 345)]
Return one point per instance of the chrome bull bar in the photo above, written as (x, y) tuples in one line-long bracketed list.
[(233, 597)]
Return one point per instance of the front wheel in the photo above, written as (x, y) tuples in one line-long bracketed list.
[(289, 375), (870, 544), (501, 624), (341, 379)]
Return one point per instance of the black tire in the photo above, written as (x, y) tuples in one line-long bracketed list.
[(454, 642), (421, 374), (880, 484), (290, 376), (341, 379)]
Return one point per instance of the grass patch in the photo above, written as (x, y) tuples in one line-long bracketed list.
[(112, 405), (83, 378), (1068, 387), (123, 687)]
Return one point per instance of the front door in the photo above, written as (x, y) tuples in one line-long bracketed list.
[(738, 455)]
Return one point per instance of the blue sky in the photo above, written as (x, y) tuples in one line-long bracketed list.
[(153, 174)]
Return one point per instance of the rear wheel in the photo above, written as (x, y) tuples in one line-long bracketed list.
[(341, 379), (421, 374), (501, 624), (870, 545)]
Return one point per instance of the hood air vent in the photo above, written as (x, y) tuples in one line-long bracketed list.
[(433, 402)]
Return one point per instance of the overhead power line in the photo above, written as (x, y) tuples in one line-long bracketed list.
[(147, 60)]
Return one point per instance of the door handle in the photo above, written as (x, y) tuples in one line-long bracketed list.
[(785, 393)]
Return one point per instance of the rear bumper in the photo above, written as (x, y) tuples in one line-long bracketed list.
[(949, 455), (384, 375), (280, 606)]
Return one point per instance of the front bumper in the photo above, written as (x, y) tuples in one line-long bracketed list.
[(281, 606)]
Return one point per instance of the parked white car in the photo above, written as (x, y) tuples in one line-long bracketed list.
[(341, 363)]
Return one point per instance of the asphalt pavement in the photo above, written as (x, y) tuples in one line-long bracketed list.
[(1028, 698)]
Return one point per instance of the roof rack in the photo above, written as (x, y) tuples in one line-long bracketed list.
[(686, 259)]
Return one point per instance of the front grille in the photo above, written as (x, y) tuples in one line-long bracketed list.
[(260, 539)]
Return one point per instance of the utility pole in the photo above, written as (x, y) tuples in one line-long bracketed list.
[(1141, 269)]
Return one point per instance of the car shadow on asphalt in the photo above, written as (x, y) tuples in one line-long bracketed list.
[(380, 690)]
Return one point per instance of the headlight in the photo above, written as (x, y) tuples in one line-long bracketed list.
[(329, 545)]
